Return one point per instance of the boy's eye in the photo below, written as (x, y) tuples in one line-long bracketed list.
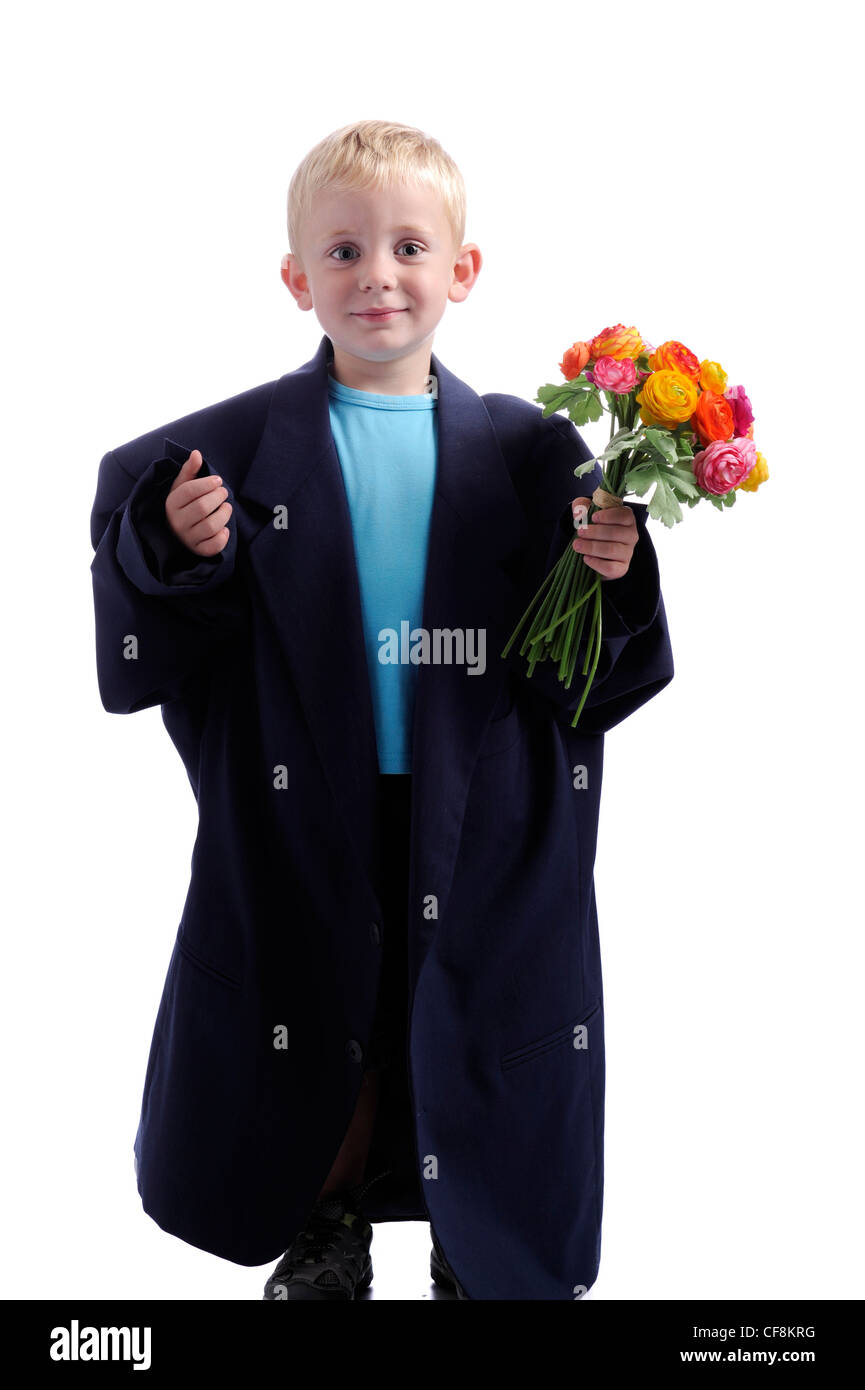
[(337, 249)]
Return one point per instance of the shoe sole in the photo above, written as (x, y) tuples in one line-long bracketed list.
[(442, 1277), (315, 1296)]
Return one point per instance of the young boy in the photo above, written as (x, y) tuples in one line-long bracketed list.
[(384, 1000)]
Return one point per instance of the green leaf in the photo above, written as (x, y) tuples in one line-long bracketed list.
[(683, 492), (626, 436), (552, 398), (546, 393), (639, 485), (587, 467), (664, 506), (684, 482), (621, 441), (663, 443), (639, 480), (585, 409)]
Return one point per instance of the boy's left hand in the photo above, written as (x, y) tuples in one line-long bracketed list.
[(608, 541)]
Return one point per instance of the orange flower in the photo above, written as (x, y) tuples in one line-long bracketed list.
[(675, 357), (667, 398), (713, 377), (759, 473), (617, 342), (574, 361), (713, 418)]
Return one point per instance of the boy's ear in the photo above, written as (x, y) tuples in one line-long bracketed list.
[(290, 267)]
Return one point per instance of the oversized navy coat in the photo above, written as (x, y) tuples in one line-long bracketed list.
[(256, 657)]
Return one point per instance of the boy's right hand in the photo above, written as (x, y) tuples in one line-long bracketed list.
[(193, 510)]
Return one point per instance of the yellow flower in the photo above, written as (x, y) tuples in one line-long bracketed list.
[(667, 398), (713, 377), (759, 473)]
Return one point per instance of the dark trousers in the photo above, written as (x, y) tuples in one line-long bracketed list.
[(387, 1043), (391, 1185)]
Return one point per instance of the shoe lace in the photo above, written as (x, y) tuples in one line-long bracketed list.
[(320, 1233)]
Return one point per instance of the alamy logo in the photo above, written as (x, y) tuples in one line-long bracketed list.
[(442, 646), (102, 1344)]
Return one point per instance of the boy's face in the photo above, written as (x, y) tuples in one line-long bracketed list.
[(372, 249)]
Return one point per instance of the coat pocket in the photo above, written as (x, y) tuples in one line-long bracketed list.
[(505, 726), (550, 1042), (201, 964)]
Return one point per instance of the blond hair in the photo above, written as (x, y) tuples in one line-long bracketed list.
[(376, 154)]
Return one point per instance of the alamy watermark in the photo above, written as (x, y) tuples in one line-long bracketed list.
[(439, 646), (76, 1343)]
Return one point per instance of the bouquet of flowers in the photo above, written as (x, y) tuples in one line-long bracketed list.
[(664, 403)]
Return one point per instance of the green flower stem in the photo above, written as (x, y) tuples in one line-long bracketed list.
[(559, 648), (569, 612), (513, 637), (562, 645), (562, 582), (551, 605), (557, 613), (567, 667), (596, 633), (571, 644), (565, 645)]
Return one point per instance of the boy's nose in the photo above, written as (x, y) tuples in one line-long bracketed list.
[(376, 284), (378, 273)]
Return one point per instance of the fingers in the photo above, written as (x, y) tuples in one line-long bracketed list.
[(202, 517), (619, 521), (213, 546), (602, 549), (618, 515), (607, 541), (197, 508), (611, 562), (210, 525), (188, 469), (186, 486)]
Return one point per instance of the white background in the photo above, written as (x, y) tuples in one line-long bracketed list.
[(692, 170)]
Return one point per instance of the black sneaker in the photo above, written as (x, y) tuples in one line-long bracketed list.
[(329, 1259), (441, 1272)]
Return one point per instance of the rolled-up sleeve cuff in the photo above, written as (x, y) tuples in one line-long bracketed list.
[(148, 551)]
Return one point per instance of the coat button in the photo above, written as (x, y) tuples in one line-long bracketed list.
[(375, 933), (354, 1049)]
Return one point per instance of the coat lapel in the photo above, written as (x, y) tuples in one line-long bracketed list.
[(301, 554)]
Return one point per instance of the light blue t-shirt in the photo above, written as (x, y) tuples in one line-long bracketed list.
[(388, 453)]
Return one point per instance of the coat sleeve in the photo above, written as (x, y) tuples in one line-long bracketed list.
[(161, 614), (636, 659)]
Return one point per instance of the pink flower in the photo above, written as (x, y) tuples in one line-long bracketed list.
[(723, 464), (615, 374), (743, 415)]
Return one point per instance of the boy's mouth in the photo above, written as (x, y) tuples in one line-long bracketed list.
[(376, 315)]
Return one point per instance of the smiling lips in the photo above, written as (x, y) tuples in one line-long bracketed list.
[(378, 313)]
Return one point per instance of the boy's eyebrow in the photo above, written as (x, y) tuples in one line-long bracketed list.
[(424, 231)]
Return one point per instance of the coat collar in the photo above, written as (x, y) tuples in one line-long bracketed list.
[(304, 566)]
